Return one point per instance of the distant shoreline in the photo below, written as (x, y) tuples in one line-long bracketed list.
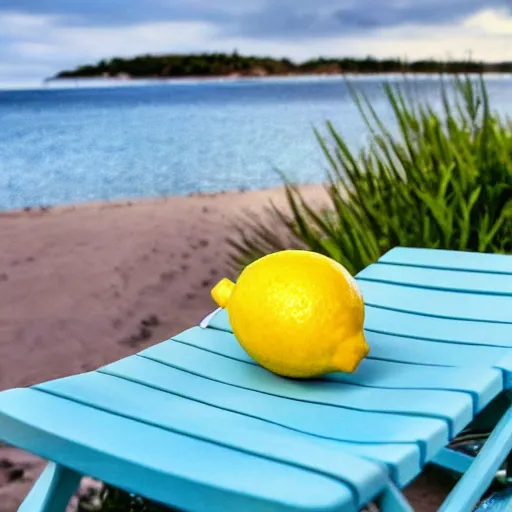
[(135, 81), (99, 81), (233, 77), (200, 78), (223, 65)]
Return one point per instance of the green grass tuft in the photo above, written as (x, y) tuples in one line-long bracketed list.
[(442, 180)]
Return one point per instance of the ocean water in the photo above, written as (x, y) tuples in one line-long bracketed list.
[(84, 142)]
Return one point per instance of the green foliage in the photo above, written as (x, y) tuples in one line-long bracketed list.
[(443, 181), (116, 500), (217, 64)]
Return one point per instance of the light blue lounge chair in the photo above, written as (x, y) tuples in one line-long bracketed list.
[(195, 423)]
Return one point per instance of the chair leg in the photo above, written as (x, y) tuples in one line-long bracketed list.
[(480, 474), (52, 491), (392, 500)]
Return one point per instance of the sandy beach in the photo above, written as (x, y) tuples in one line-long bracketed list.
[(82, 286)]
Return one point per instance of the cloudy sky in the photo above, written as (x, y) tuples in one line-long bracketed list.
[(40, 37)]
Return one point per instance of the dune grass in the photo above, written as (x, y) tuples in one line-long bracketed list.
[(441, 180)]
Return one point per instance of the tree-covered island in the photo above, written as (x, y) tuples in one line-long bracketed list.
[(223, 64)]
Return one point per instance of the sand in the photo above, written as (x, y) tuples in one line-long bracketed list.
[(84, 285)]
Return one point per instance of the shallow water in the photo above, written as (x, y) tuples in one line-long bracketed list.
[(82, 143)]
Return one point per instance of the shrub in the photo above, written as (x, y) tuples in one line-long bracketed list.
[(111, 499), (444, 180)]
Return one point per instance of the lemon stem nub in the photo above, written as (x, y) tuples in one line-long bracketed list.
[(222, 291)]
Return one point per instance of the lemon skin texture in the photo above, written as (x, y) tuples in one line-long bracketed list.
[(297, 313)]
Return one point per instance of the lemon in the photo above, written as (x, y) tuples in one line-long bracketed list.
[(297, 313)]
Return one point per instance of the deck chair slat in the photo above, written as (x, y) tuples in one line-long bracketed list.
[(427, 352), (432, 328), (236, 431), (440, 279), (374, 373), (267, 413), (332, 390), (165, 466), (456, 260), (251, 410), (281, 401), (438, 303)]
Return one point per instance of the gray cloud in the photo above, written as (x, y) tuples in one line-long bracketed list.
[(305, 19), (277, 19), (119, 12), (395, 13)]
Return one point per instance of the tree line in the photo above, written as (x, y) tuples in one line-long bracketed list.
[(223, 64)]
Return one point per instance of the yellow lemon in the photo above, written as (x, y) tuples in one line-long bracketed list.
[(297, 313)]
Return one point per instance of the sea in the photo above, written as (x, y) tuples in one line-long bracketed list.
[(97, 140)]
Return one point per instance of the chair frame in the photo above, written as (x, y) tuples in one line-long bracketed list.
[(57, 483)]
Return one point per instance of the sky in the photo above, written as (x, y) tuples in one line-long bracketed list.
[(38, 38)]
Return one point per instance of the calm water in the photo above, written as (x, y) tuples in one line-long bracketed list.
[(96, 143)]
